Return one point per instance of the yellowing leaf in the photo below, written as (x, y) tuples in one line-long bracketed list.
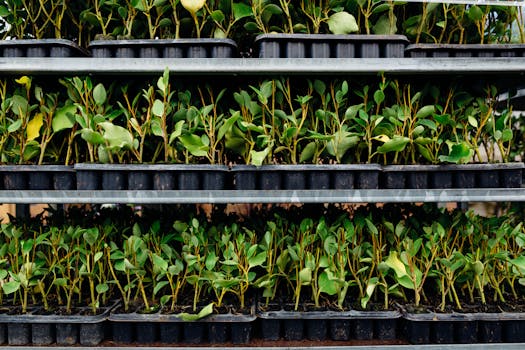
[(192, 5), (33, 127), (25, 81), (395, 264)]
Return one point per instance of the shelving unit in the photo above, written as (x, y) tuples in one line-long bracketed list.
[(510, 70)]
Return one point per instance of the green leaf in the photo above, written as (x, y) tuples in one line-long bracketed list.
[(379, 97), (158, 108), (472, 121), (241, 10), (217, 16), (102, 288), (91, 236), (257, 260), (99, 94), (475, 13), (159, 263), (92, 137), (176, 132), (211, 260), (11, 287), (207, 310), (116, 136), (64, 118), (61, 282), (308, 152), (342, 23), (4, 11), (384, 26), (194, 145), (13, 127), (97, 256), (258, 157), (396, 144), (370, 288), (227, 126), (326, 285), (425, 111), (305, 276), (459, 153), (506, 135)]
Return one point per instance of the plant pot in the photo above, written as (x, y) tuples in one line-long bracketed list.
[(270, 329), (18, 333), (122, 332), (140, 180), (329, 46), (217, 332), (164, 180), (339, 330), (89, 176), (317, 330), (146, 332), (169, 332), (465, 50), (244, 177), (164, 48), (114, 180), (194, 332), (66, 334), (41, 48), (42, 334)]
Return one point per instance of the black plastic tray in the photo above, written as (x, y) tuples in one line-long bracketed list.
[(465, 50), (486, 175), (330, 46), (151, 176), (306, 176), (38, 177), (334, 325), (171, 328), (41, 48), (164, 48), (37, 328)]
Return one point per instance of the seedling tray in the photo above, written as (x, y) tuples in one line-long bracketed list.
[(38, 177), (41, 48), (164, 48), (465, 50), (330, 46)]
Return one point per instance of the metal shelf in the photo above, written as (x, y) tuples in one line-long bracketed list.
[(511, 67), (494, 346), (256, 196)]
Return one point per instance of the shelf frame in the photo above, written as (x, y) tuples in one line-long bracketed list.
[(495, 66), (262, 196)]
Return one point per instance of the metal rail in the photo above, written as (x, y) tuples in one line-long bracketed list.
[(260, 196), (342, 347), (474, 2), (513, 67)]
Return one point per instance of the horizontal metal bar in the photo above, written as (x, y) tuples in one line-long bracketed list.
[(499, 66), (342, 347), (474, 2), (260, 196)]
